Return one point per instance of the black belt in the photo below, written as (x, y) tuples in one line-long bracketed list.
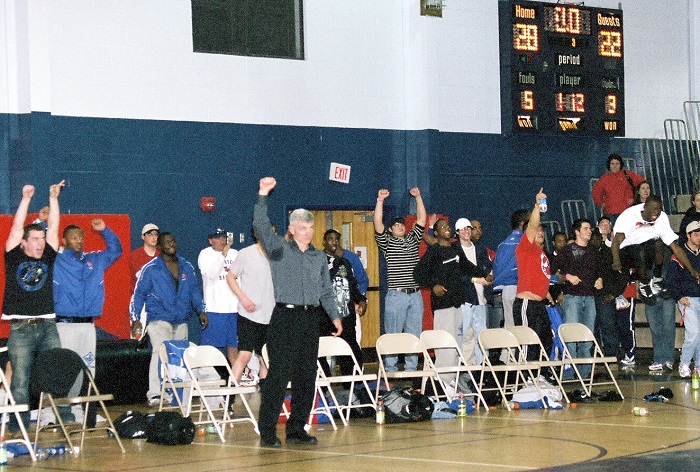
[(29, 321), (406, 290), (74, 319), (295, 307)]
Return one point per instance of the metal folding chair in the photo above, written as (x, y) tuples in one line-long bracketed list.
[(573, 333), (332, 346), (10, 407), (502, 339), (402, 343), (440, 339), (53, 374), (208, 357), (526, 336)]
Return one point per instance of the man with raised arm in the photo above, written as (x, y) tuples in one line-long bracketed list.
[(530, 305), (302, 284), (403, 304), (28, 298)]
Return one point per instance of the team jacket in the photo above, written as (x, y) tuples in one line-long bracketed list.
[(78, 281), (155, 288), (505, 267), (678, 280)]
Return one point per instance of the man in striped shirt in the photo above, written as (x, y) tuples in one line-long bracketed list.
[(403, 305)]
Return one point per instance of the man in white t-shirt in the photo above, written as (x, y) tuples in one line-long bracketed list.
[(636, 231), (250, 279), (220, 302)]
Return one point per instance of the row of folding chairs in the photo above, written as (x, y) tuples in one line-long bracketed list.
[(53, 374), (209, 396), (506, 378)]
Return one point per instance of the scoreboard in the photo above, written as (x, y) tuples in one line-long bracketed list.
[(562, 69)]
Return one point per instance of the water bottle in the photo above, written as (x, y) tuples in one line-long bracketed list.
[(461, 406), (380, 412), (41, 454), (3, 451), (543, 205), (138, 332), (695, 380), (56, 450)]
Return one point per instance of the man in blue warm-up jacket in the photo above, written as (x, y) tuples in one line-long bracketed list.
[(167, 286), (79, 290)]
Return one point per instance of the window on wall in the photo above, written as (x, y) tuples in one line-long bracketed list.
[(265, 28)]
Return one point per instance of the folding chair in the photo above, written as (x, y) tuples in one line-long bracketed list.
[(402, 343), (502, 339), (324, 408), (579, 333), (205, 357), (10, 407), (53, 374), (526, 336), (331, 346), (441, 339)]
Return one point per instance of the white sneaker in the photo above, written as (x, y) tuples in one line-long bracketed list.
[(684, 371), (668, 365), (628, 360), (656, 366), (154, 402), (250, 380)]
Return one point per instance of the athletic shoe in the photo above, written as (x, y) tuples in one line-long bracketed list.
[(668, 365), (659, 288), (249, 380), (646, 295), (628, 361), (154, 402), (656, 366), (684, 371)]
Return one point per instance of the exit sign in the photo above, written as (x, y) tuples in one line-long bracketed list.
[(339, 173)]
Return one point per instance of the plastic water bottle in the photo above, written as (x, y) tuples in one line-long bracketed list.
[(56, 450), (41, 454), (461, 406), (3, 451), (380, 412), (695, 380), (543, 205)]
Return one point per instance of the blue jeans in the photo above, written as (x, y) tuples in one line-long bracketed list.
[(607, 327), (662, 323), (25, 342), (580, 309), (474, 316), (403, 313), (691, 342)]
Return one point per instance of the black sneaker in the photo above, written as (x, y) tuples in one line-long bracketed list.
[(302, 438), (646, 294), (271, 442)]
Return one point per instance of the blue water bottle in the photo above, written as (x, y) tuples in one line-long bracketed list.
[(543, 205)]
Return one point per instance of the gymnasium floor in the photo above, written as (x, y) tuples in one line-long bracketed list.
[(591, 436)]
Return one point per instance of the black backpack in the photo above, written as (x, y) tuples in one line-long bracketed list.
[(131, 425), (169, 428), (402, 405)]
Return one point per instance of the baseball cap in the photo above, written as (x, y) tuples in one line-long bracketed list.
[(395, 220), (217, 233), (149, 227), (462, 223), (331, 231), (692, 226)]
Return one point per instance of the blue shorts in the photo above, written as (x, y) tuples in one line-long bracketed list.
[(222, 330)]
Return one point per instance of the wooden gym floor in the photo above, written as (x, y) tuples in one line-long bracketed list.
[(592, 436)]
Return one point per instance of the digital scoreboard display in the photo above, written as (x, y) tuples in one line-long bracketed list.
[(562, 69)]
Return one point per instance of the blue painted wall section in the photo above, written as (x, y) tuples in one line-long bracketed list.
[(157, 171)]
